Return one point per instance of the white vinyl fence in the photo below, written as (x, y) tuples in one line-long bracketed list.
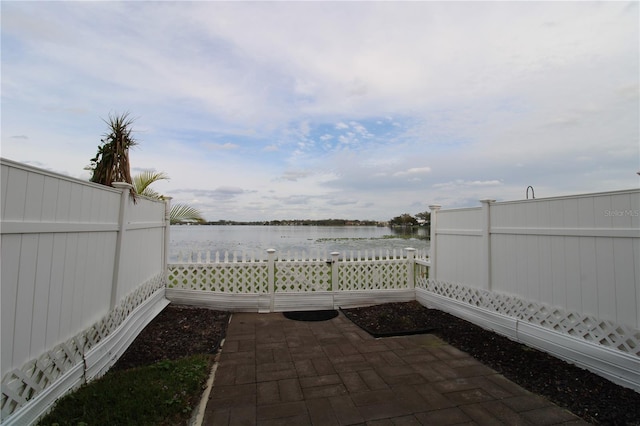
[(294, 282), (82, 274), (84, 270), (560, 274)]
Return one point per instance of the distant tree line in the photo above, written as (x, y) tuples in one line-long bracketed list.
[(404, 220), (301, 222), (407, 220)]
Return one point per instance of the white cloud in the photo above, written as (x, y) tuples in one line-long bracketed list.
[(294, 176), (220, 146), (413, 171), (492, 96)]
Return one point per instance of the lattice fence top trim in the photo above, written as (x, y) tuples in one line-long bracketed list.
[(586, 327), (360, 271), (265, 255)]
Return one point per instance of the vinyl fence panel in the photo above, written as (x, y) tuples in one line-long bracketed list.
[(66, 252), (55, 271), (578, 252), (561, 274)]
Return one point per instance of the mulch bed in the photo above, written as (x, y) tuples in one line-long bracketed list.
[(178, 331), (181, 331), (391, 319)]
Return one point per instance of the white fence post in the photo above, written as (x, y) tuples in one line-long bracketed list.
[(125, 189), (433, 238), (271, 276), (335, 283), (485, 280), (167, 235), (411, 265)]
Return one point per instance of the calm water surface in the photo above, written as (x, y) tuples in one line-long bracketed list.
[(188, 240)]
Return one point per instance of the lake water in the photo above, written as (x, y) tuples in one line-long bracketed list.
[(187, 240)]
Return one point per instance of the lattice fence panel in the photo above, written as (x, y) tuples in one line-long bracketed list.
[(586, 327), (373, 275), (299, 276), (94, 334), (241, 277), (21, 385), (421, 275)]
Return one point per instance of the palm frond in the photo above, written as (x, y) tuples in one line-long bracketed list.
[(179, 212), (143, 180), (185, 213), (151, 193)]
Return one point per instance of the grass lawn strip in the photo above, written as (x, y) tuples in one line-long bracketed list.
[(164, 393)]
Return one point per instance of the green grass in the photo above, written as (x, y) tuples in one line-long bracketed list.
[(164, 393)]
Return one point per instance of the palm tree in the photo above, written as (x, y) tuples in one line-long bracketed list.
[(179, 212), (111, 163)]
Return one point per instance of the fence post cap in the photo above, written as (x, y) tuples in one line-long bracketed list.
[(122, 185), (435, 207), (410, 249), (271, 250)]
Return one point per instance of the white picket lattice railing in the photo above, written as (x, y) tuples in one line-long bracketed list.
[(389, 271), (296, 276), (381, 274), (297, 272), (241, 277), (208, 257)]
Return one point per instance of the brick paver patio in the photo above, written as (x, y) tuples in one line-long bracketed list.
[(276, 371)]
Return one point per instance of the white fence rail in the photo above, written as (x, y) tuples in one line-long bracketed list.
[(77, 260), (84, 269), (294, 282), (561, 274)]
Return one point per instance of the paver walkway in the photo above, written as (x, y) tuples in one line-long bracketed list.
[(276, 371)]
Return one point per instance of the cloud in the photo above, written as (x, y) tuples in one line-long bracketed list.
[(341, 202), (294, 199), (459, 183), (360, 129), (220, 147), (413, 171), (294, 176), (137, 170), (245, 100), (220, 193), (348, 138)]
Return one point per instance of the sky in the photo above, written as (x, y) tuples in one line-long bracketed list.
[(315, 110)]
